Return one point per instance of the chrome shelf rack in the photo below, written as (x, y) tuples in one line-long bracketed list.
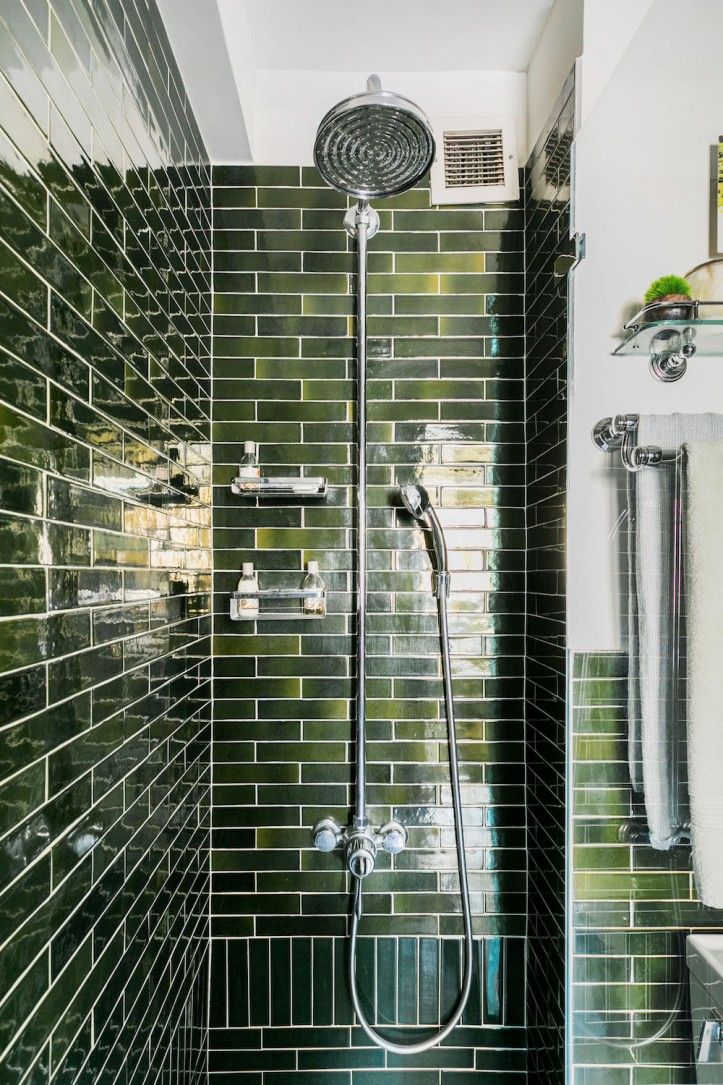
[(268, 486), (280, 604), (672, 332)]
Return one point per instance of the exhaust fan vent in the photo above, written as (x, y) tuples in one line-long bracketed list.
[(476, 160), (473, 158)]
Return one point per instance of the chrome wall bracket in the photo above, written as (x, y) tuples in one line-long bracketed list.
[(670, 349), (360, 842), (358, 212), (619, 433), (635, 832), (441, 581), (609, 432)]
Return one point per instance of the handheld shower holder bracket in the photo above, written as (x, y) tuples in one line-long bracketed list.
[(360, 843), (441, 582)]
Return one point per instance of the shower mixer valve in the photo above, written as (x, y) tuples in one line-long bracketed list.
[(360, 842)]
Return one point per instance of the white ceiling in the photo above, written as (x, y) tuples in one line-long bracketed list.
[(392, 35), (247, 63)]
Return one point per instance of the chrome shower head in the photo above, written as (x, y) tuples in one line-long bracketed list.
[(374, 144), (416, 501)]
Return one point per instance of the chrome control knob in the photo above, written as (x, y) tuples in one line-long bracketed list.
[(394, 837), (361, 854), (327, 834)]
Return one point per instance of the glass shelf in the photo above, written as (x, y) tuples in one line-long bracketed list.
[(670, 333), (698, 322), (265, 486), (706, 335), (280, 604)]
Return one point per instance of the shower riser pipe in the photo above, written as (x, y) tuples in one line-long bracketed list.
[(362, 220)]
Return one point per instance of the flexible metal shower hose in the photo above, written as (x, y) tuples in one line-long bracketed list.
[(452, 1021)]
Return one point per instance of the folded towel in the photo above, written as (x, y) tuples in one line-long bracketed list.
[(656, 731), (704, 584), (635, 752)]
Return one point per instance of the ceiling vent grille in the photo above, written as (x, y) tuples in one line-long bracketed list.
[(476, 160)]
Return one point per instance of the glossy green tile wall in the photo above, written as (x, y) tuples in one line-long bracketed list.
[(104, 559), (547, 237), (632, 906), (446, 407)]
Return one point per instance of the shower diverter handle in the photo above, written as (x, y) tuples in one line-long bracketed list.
[(360, 842)]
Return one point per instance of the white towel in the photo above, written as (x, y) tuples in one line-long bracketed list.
[(656, 731), (704, 581)]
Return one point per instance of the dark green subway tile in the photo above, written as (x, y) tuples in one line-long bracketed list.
[(21, 385), (480, 240), (256, 176), (257, 347), (228, 307), (230, 264)]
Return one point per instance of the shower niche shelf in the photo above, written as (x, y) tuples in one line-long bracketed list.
[(251, 483), (671, 333), (266, 486), (279, 604)]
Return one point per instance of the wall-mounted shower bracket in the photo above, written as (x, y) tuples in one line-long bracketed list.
[(441, 581), (361, 212), (360, 842)]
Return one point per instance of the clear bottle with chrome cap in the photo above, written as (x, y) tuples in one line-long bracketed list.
[(249, 466), (248, 479), (314, 604), (244, 601)]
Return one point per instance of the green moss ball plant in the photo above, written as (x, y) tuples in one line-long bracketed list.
[(668, 288)]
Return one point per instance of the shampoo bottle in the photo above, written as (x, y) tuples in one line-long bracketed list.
[(314, 606), (246, 609)]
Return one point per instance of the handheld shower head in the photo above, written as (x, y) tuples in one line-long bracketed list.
[(418, 503), (416, 500)]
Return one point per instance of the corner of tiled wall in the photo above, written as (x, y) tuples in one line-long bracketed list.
[(547, 236)]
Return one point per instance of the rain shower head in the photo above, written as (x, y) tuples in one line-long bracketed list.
[(374, 144), (416, 500)]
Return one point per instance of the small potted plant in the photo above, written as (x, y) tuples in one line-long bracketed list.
[(669, 298)]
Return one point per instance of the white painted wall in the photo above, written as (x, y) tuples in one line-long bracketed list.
[(608, 28), (560, 43), (642, 199), (197, 38), (289, 105)]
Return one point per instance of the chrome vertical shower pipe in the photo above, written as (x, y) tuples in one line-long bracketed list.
[(362, 218)]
